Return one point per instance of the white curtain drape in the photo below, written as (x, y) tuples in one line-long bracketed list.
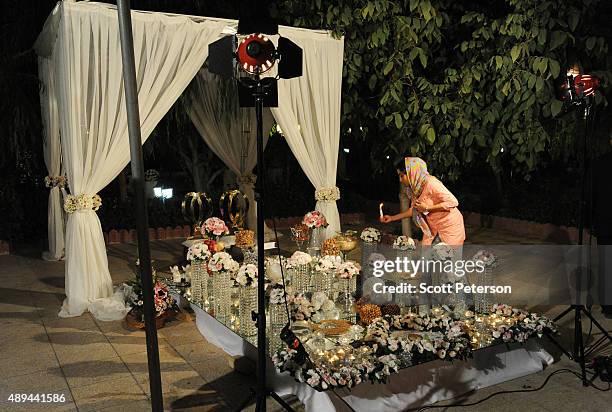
[(53, 159), (169, 50), (308, 113), (228, 130)]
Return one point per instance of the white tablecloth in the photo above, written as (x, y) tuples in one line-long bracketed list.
[(411, 387)]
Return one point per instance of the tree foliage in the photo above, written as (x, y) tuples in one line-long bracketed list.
[(459, 82)]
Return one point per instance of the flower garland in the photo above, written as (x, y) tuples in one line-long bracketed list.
[(82, 202), (427, 337), (314, 220), (348, 269), (247, 276), (370, 235), (404, 243), (222, 262), (214, 228), (198, 252), (327, 194), (55, 181)]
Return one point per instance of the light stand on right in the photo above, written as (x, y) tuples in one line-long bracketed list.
[(578, 90)]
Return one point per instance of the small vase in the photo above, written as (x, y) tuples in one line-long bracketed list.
[(278, 320), (248, 303), (316, 239), (221, 294), (323, 281), (199, 282)]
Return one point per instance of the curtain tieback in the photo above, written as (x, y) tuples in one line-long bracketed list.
[(82, 202), (246, 179), (327, 194), (55, 181)]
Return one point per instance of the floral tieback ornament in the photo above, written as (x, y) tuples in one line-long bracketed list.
[(82, 202), (327, 194), (55, 181)]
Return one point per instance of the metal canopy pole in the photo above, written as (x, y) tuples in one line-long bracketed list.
[(142, 219)]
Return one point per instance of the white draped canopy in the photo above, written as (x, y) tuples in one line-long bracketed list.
[(80, 51)]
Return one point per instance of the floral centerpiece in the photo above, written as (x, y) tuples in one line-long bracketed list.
[(222, 262), (314, 220), (370, 235), (348, 269), (198, 251), (404, 243), (214, 228), (486, 257), (298, 259), (305, 306), (246, 276), (165, 305), (327, 263)]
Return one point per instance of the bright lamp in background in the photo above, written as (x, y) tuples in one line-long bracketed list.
[(167, 193), (163, 193)]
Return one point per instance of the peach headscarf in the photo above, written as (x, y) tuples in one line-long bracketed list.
[(416, 170)]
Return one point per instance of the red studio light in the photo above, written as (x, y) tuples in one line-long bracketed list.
[(256, 54), (585, 85)]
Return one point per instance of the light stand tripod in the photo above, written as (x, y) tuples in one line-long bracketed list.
[(580, 353), (259, 90)]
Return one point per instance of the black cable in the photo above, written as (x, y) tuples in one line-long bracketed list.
[(559, 371)]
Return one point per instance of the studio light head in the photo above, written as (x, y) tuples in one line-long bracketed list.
[(576, 86), (256, 54)]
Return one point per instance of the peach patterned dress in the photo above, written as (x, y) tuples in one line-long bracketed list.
[(447, 223)]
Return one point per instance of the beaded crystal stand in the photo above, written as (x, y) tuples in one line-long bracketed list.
[(248, 304), (221, 294), (199, 282)]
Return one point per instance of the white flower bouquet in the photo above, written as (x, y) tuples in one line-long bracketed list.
[(198, 252), (370, 235), (298, 259), (222, 262), (348, 269), (247, 275), (404, 243), (328, 263)]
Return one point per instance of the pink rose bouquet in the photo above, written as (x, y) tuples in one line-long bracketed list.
[(214, 228), (314, 219)]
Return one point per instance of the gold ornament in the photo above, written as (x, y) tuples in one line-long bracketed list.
[(196, 207), (234, 205)]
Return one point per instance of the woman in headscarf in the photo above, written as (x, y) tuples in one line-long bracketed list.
[(433, 207)]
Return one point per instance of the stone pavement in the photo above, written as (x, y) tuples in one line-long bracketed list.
[(103, 366)]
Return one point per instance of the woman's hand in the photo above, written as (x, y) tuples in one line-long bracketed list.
[(420, 206), (385, 219)]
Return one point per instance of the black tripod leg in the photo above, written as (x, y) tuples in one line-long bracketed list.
[(597, 325), (579, 346), (281, 401)]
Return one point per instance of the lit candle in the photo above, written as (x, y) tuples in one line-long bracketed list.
[(380, 209)]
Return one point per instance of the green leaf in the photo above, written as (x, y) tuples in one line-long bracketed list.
[(554, 68), (499, 62), (557, 38), (372, 82), (398, 120), (542, 37), (555, 107), (515, 52), (388, 67), (573, 21), (426, 10), (423, 58), (431, 135), (590, 43)]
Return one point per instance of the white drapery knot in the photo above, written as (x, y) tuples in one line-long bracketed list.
[(82, 202), (327, 194), (55, 181), (246, 179)]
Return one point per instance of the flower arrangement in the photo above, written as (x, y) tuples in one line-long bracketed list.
[(328, 263), (404, 243), (374, 257), (301, 307), (314, 220), (82, 202), (488, 258), (516, 325), (370, 235), (383, 352), (442, 251), (327, 194), (298, 259), (164, 302), (55, 181), (247, 276), (198, 252), (348, 269), (214, 228), (222, 262), (178, 276)]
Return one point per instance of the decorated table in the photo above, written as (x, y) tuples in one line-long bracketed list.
[(350, 353)]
